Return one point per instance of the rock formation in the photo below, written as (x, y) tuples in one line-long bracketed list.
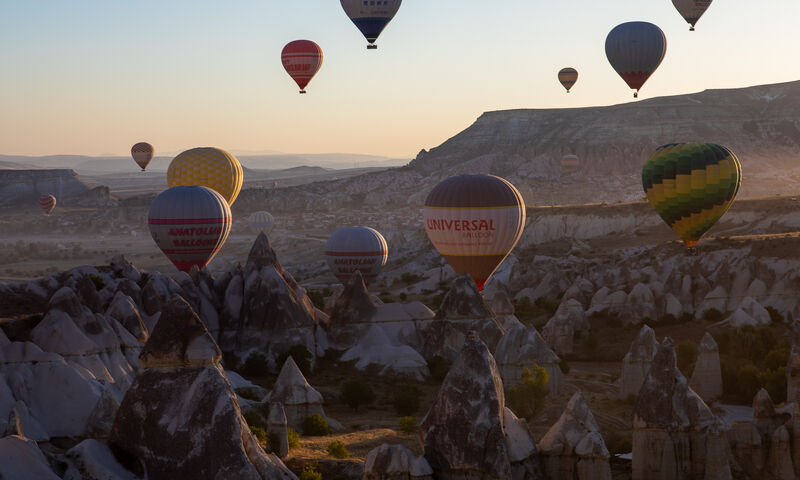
[(180, 418), (353, 308), (21, 459), (522, 347), (573, 448), (568, 321), (464, 432), (637, 362), (707, 375), (462, 310), (277, 430), (675, 434), (377, 349), (395, 462), (299, 399)]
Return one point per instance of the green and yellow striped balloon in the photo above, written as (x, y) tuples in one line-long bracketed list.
[(691, 186)]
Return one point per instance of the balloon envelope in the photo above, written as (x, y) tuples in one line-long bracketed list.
[(635, 50), (142, 153), (691, 10), (47, 203), (568, 76), (570, 163), (372, 16), (189, 224), (356, 248), (261, 222), (474, 221), (208, 167), (302, 60), (691, 185)]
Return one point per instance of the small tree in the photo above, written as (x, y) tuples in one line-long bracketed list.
[(408, 425), (356, 393), (406, 401), (256, 365), (293, 439), (316, 425), (310, 472), (337, 449), (527, 398), (301, 356)]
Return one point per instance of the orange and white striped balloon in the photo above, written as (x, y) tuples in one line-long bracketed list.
[(47, 203), (302, 60), (474, 221)]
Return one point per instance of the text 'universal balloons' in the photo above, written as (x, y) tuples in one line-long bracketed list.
[(568, 76), (47, 203), (474, 221), (371, 16), (302, 60), (261, 222), (635, 50), (691, 185), (142, 153), (189, 224), (691, 10), (356, 248), (208, 167)]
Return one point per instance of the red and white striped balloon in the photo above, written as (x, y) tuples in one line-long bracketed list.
[(302, 60)]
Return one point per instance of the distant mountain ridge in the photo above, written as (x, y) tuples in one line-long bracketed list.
[(760, 124)]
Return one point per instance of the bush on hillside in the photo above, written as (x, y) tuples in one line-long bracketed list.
[(356, 393), (406, 401), (337, 449), (301, 356), (527, 398), (256, 365), (315, 426)]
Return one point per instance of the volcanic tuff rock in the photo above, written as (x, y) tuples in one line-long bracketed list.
[(464, 432), (707, 375), (264, 297), (376, 348), (277, 427), (463, 309), (299, 399), (23, 187), (353, 308), (561, 329), (180, 418), (573, 448), (21, 459), (522, 347), (395, 462), (637, 362), (675, 434)]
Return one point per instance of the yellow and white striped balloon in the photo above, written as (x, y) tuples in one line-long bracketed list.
[(261, 222)]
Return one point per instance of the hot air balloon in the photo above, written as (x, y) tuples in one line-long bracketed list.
[(189, 224), (691, 185), (209, 167), (570, 164), (691, 10), (261, 222), (142, 153), (635, 50), (568, 76), (47, 203), (302, 60), (474, 221), (356, 248), (371, 17)]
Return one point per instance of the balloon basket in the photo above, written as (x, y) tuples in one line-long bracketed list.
[(635, 94), (691, 252), (372, 47), (691, 29), (302, 91)]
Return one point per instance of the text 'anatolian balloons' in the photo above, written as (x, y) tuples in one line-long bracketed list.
[(189, 224), (356, 248), (691, 186), (302, 60), (208, 167), (474, 221), (635, 50), (142, 153)]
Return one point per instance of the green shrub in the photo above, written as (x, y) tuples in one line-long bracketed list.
[(685, 317), (527, 398), (293, 438), (316, 425), (317, 298), (256, 365), (409, 278), (273, 442), (260, 434), (408, 424), (403, 296), (775, 383), (618, 442), (589, 343), (436, 301), (774, 315), (778, 356), (686, 355), (564, 366), (438, 367), (253, 418), (98, 281), (310, 472), (356, 393), (406, 401), (301, 356), (549, 306), (712, 315), (336, 449)]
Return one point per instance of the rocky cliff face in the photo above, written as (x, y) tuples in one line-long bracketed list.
[(25, 186)]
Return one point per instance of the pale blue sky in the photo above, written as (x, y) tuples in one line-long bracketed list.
[(94, 77)]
